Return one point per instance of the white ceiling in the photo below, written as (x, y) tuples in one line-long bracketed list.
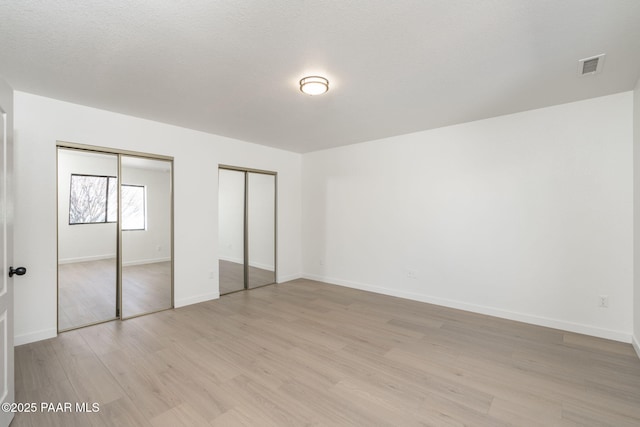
[(231, 67)]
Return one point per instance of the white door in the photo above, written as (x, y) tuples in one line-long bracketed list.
[(6, 253)]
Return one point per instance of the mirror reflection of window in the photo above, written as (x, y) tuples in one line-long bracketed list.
[(94, 200), (112, 199), (90, 197), (133, 207)]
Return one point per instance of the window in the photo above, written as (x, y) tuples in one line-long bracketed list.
[(93, 200), (133, 207)]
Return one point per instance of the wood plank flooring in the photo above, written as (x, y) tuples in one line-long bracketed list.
[(232, 277), (146, 288), (87, 291), (307, 353)]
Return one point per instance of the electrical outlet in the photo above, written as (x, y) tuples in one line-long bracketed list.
[(321, 262), (411, 273), (211, 275), (603, 301)]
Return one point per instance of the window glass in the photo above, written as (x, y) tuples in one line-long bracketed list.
[(112, 199), (94, 200), (88, 199), (133, 207)]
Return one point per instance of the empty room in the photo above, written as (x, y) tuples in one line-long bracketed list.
[(331, 213)]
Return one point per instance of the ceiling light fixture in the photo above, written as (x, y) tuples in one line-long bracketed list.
[(314, 85)]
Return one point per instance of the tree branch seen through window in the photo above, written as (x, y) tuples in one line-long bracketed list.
[(93, 200)]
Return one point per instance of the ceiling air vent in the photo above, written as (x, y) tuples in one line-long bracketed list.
[(591, 66)]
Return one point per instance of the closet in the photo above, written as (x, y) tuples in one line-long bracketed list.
[(247, 228), (115, 234)]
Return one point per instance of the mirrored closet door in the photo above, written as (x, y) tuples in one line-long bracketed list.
[(247, 228), (231, 201), (146, 235), (87, 238), (115, 235), (261, 207)]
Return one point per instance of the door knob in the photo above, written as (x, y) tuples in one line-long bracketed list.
[(19, 271)]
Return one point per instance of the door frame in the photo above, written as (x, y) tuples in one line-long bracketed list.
[(6, 260)]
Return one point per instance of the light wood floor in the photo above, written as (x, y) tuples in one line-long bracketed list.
[(306, 353), (87, 291), (146, 288), (232, 277)]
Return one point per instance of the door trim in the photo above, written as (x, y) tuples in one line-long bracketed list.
[(109, 150)]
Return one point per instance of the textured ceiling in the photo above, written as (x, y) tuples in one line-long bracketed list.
[(231, 67)]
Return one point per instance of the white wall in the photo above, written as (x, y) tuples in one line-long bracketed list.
[(526, 216), (40, 122), (83, 242), (154, 243), (636, 209)]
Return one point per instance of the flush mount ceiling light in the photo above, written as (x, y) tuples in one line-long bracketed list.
[(314, 85)]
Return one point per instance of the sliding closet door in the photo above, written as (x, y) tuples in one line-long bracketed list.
[(87, 238), (231, 214), (146, 235), (261, 207)]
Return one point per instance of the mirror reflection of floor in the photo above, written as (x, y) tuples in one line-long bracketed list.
[(87, 291), (232, 277), (146, 288)]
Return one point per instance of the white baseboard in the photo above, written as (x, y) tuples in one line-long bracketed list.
[(290, 277), (34, 336), (261, 266), (101, 257), (490, 311), (636, 344), (196, 299), (231, 259), (144, 261), (251, 264), (86, 258)]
